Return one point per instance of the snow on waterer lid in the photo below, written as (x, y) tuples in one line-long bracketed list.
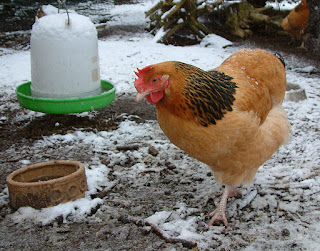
[(64, 57)]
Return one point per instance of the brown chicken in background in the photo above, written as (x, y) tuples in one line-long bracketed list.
[(296, 23), (229, 118)]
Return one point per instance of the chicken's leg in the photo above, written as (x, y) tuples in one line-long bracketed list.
[(220, 213)]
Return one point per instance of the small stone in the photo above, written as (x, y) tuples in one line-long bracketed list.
[(153, 151), (105, 162), (147, 161), (170, 166), (167, 192), (285, 232), (117, 168), (146, 230)]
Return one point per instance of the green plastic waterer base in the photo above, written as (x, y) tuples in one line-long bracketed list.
[(63, 106)]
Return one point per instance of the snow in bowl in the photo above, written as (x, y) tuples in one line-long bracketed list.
[(47, 184)]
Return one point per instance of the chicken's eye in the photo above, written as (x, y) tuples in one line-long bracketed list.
[(155, 80)]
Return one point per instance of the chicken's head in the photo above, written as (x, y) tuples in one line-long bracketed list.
[(150, 84)]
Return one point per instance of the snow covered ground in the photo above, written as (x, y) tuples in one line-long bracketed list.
[(280, 211)]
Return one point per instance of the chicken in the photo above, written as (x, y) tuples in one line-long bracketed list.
[(296, 22), (229, 118)]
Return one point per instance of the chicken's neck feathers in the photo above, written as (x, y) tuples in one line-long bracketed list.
[(205, 97)]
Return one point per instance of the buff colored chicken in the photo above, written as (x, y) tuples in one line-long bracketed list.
[(229, 118), (296, 23)]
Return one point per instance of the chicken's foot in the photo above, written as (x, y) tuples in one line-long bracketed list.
[(302, 46), (220, 213)]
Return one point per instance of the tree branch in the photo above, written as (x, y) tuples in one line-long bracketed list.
[(141, 223)]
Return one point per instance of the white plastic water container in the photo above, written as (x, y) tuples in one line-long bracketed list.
[(64, 57)]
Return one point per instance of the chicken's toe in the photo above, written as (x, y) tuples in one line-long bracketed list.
[(218, 216)]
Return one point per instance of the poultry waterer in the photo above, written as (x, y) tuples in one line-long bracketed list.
[(65, 73)]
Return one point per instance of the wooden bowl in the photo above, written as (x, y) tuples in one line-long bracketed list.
[(47, 184)]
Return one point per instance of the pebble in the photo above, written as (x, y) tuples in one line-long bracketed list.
[(285, 232), (153, 151)]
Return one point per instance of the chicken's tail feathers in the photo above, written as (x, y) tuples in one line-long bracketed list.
[(273, 133), (279, 56), (277, 126)]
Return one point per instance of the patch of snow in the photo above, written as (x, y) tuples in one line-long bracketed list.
[(308, 69), (129, 14), (215, 41), (283, 5), (55, 27), (76, 211), (159, 35), (50, 9)]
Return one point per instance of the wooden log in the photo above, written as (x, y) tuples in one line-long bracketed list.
[(198, 32), (154, 8), (239, 32), (170, 22), (173, 10), (207, 7), (276, 21), (160, 5), (155, 17), (258, 17), (210, 6), (263, 9), (200, 26), (171, 31)]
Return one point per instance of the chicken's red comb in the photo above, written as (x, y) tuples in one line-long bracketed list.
[(142, 72)]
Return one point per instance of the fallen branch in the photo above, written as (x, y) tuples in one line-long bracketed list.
[(127, 148), (141, 223)]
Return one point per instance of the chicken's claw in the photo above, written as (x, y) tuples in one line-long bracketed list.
[(218, 215)]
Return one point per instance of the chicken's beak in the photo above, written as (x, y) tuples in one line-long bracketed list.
[(141, 95)]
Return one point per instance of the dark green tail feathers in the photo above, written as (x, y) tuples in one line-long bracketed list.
[(278, 55)]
